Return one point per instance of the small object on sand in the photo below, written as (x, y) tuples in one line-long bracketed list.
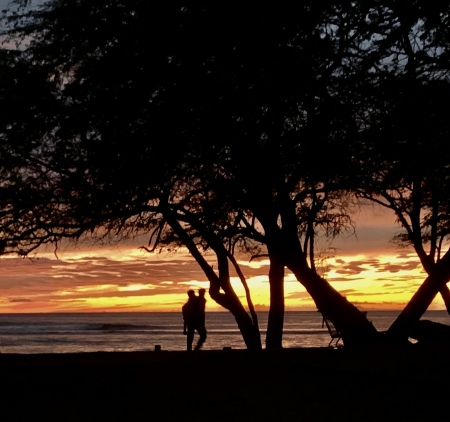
[(157, 348)]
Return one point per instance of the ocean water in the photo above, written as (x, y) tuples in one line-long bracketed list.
[(93, 332)]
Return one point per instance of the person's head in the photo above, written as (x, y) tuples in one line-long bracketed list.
[(191, 293), (201, 292)]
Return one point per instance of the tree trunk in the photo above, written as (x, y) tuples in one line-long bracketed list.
[(440, 275), (355, 329), (231, 302), (228, 299), (274, 334)]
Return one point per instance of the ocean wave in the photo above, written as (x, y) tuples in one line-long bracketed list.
[(125, 327)]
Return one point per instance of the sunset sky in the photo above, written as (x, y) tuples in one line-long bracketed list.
[(369, 270)]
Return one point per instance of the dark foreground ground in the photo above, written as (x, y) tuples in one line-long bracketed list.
[(286, 385)]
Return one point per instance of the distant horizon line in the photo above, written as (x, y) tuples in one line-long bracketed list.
[(175, 312)]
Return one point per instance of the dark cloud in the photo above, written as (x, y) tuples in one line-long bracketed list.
[(346, 292), (395, 268), (18, 300), (351, 268), (346, 279), (400, 279), (298, 295), (356, 267), (386, 304), (366, 294)]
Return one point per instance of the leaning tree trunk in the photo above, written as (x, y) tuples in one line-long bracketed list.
[(356, 330), (274, 334), (440, 275), (228, 299), (231, 302), (445, 293)]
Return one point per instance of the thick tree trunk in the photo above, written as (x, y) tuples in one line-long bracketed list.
[(231, 302), (440, 275), (356, 330), (274, 334)]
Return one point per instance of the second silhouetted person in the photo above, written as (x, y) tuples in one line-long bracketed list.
[(194, 318)]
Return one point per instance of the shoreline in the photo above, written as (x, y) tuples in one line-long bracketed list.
[(312, 384)]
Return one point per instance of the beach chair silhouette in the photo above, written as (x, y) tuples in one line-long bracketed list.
[(334, 333)]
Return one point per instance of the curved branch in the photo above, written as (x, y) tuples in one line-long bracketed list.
[(246, 288)]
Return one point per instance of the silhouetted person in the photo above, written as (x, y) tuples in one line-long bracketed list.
[(188, 310), (194, 318), (201, 329)]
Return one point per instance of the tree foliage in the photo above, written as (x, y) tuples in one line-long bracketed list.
[(405, 152), (219, 128)]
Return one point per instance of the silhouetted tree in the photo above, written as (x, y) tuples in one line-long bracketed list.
[(406, 137), (269, 84), (111, 137), (216, 129)]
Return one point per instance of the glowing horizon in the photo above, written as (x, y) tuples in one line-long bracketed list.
[(90, 282), (368, 269)]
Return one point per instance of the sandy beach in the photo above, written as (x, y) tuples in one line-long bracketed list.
[(290, 384)]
